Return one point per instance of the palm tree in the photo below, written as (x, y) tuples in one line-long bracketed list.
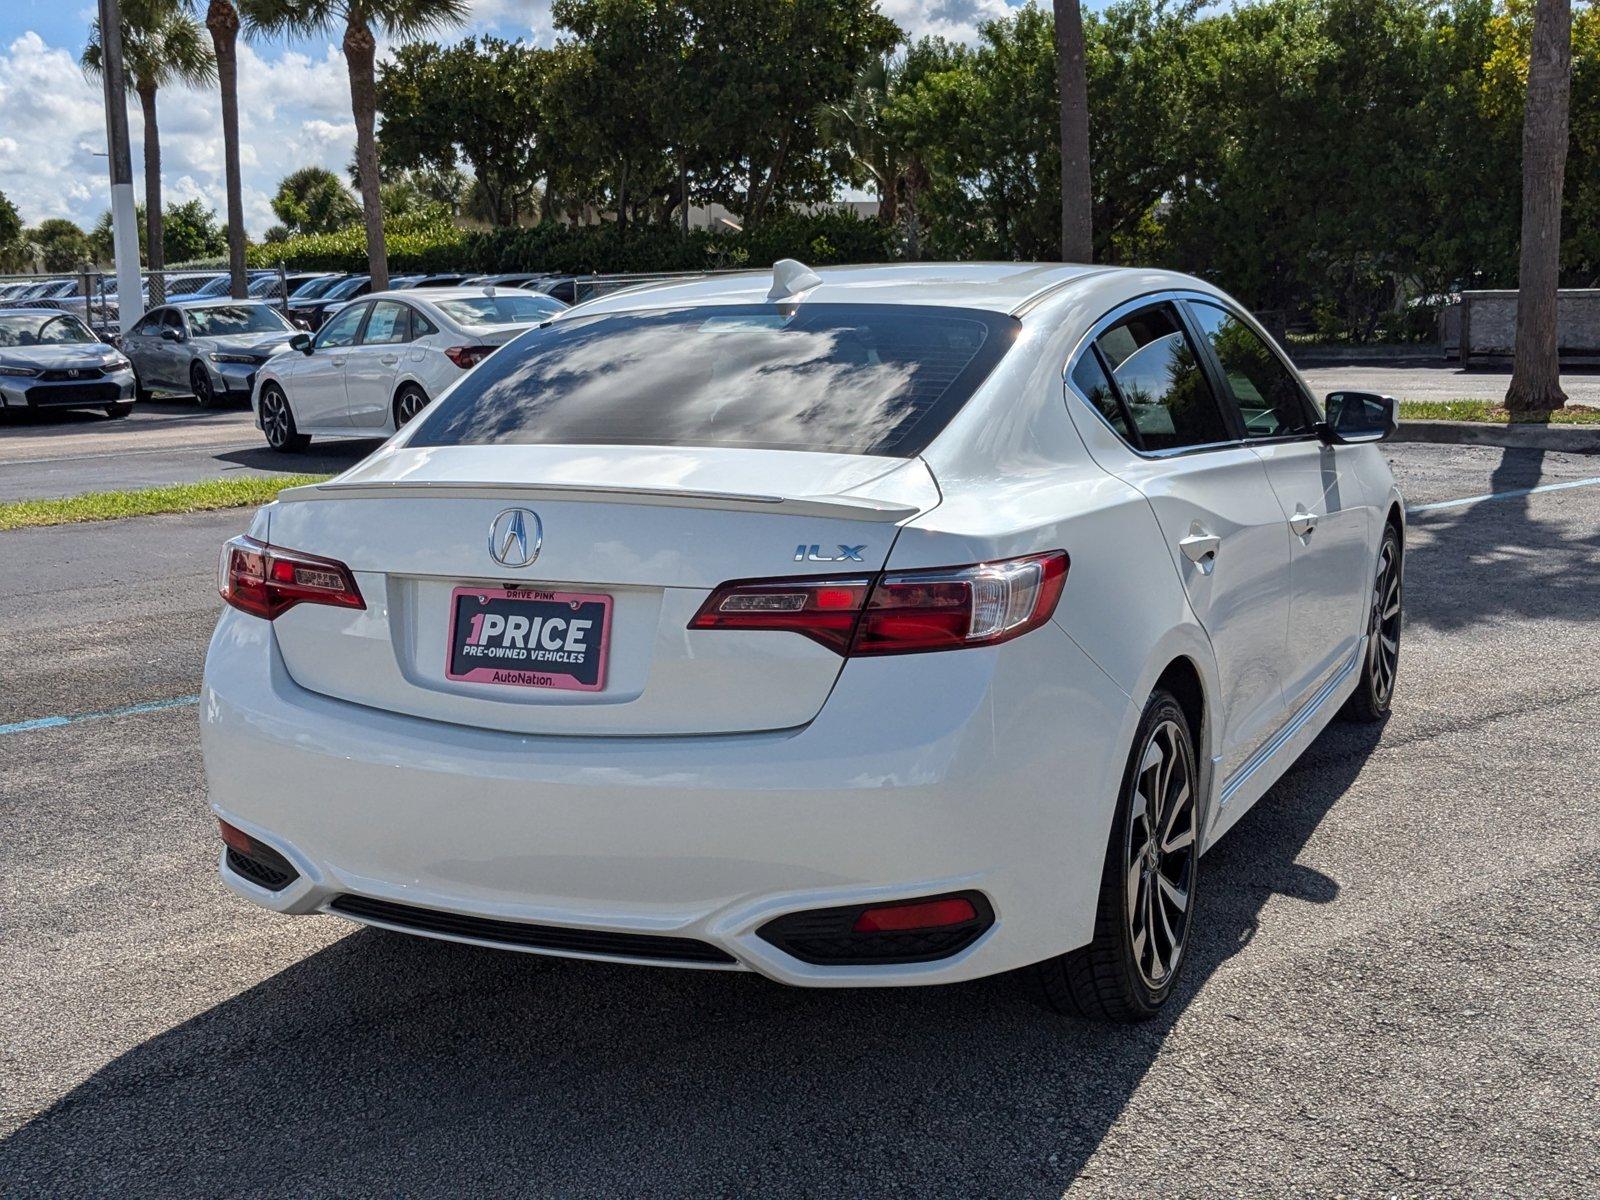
[(222, 20), (161, 45), (1536, 368), (1077, 195), (402, 20)]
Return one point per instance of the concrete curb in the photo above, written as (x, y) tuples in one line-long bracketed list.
[(1567, 439)]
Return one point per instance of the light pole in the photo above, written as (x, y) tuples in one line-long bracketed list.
[(124, 226)]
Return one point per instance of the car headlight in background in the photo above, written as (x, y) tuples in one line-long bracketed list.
[(26, 372), (217, 356)]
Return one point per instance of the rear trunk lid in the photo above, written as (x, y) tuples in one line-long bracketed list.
[(630, 539)]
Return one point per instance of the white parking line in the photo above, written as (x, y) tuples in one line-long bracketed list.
[(1513, 494)]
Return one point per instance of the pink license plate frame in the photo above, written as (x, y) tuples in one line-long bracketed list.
[(542, 603)]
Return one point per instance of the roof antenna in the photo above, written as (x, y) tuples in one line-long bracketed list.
[(790, 277)]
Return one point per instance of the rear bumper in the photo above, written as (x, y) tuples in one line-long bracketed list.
[(981, 770)]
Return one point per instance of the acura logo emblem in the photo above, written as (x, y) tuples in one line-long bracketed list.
[(515, 537)]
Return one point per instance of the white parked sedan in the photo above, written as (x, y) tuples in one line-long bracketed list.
[(379, 361), (870, 626)]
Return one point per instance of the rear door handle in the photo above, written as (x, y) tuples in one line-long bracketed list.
[(1303, 522), (389, 360), (1201, 548), (338, 362)]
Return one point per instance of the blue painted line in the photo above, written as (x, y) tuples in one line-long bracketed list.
[(1510, 495), (74, 718)]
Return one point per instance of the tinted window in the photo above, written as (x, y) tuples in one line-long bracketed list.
[(228, 320), (341, 328), (1089, 377), (172, 319), (854, 379), (1268, 397), (387, 326), (500, 309), (147, 325), (1159, 377)]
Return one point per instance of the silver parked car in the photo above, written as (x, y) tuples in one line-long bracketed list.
[(209, 349), (50, 359)]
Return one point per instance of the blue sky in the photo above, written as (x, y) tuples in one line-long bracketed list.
[(294, 106)]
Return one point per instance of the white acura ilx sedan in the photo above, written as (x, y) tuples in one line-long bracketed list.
[(867, 626)]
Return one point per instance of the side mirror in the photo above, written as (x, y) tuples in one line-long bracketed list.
[(1356, 417), (171, 335), (301, 342)]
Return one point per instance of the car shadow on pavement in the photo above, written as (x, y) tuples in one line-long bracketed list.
[(385, 1064), (321, 458), (1498, 560)]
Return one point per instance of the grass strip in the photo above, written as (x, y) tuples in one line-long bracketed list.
[(205, 496), (1487, 413)]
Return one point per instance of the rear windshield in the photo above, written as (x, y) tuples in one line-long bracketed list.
[(851, 379), (500, 309)]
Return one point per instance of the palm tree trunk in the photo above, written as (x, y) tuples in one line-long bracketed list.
[(360, 50), (1536, 371), (1077, 194), (222, 19), (154, 255)]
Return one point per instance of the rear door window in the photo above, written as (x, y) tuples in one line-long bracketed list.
[(1160, 380), (1268, 397), (852, 379), (389, 324)]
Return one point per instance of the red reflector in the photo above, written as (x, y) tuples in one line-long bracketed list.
[(924, 914), (267, 581), (237, 838)]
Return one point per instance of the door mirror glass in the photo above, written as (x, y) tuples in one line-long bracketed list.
[(1361, 417), (171, 335), (301, 342)]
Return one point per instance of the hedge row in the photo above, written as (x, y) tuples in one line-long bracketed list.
[(817, 239)]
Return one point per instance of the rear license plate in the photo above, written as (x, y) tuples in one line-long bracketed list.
[(528, 637)]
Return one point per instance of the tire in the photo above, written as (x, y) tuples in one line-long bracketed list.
[(205, 394), (119, 410), (277, 421), (408, 402), (1370, 701), (1123, 975)]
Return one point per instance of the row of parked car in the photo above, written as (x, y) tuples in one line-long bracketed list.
[(343, 362)]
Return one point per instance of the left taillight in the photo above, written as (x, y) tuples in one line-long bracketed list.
[(900, 612), (267, 581)]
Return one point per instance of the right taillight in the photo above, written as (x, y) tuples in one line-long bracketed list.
[(467, 357), (901, 612), (267, 581)]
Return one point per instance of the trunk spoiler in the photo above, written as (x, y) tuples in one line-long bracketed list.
[(843, 506)]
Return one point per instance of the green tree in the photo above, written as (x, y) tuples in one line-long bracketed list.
[(314, 200), (762, 73), (476, 103), (190, 229), (401, 20), (192, 232), (62, 245), (12, 244), (162, 45)]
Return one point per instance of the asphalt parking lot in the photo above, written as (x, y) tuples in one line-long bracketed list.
[(1395, 988)]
